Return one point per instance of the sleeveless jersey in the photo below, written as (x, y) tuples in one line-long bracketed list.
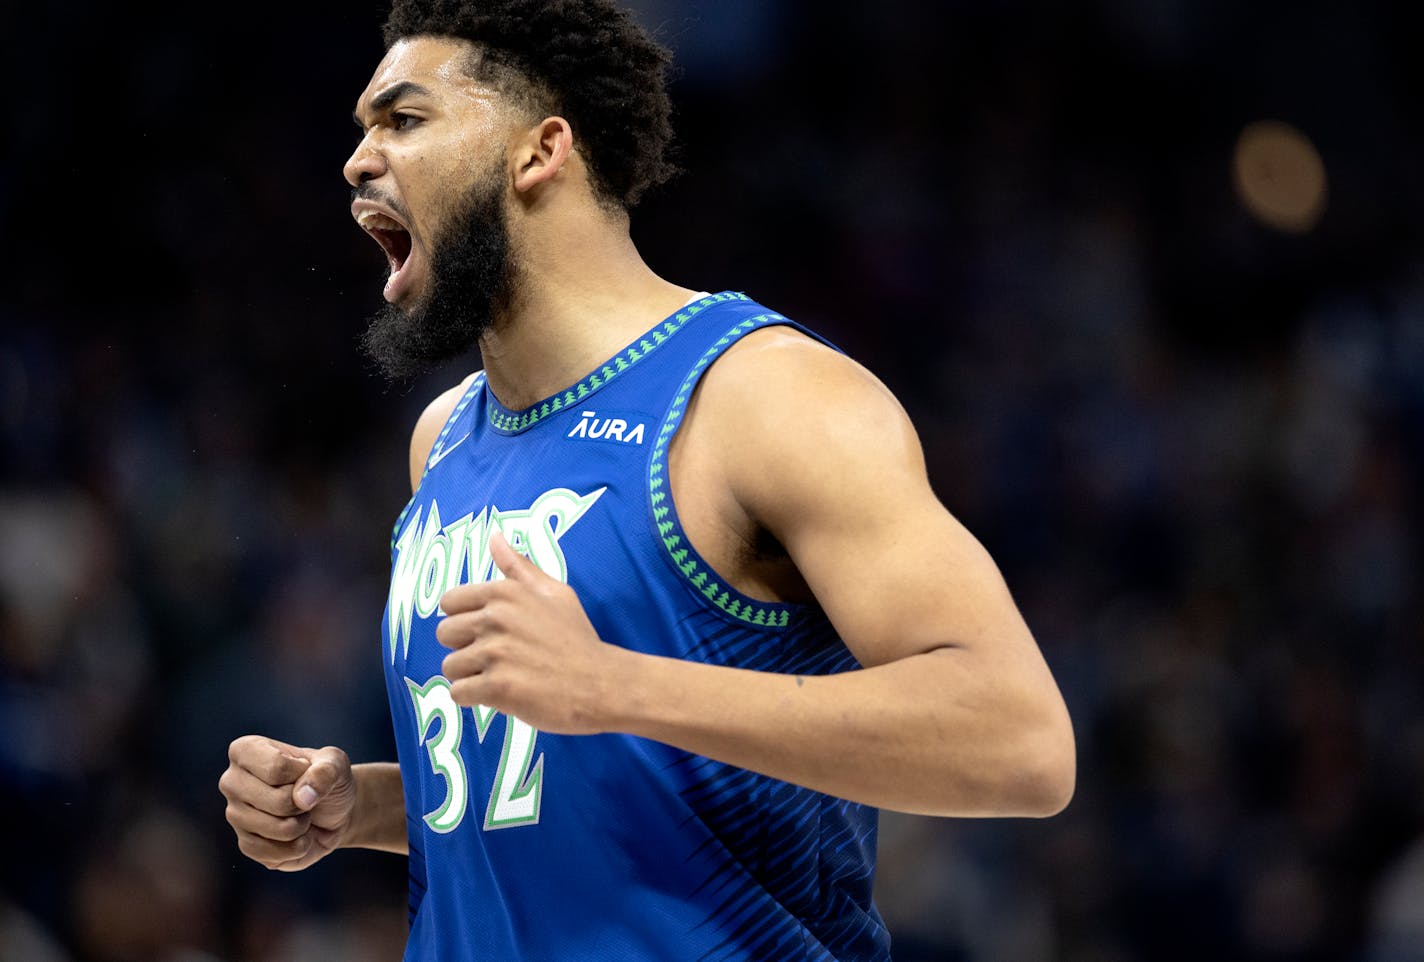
[(531, 847)]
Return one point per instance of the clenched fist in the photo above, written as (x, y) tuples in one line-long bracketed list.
[(289, 806)]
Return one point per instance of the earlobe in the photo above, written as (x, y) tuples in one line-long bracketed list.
[(544, 153)]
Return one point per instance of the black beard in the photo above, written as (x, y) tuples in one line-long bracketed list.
[(470, 278)]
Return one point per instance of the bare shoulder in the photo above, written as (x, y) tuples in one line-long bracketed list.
[(814, 449), (429, 425), (782, 369), (788, 410)]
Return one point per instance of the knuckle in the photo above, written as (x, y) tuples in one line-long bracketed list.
[(495, 616), (288, 829), (495, 689), (279, 802), (238, 747)]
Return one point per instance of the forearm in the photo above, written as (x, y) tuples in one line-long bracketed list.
[(925, 734), (378, 821)]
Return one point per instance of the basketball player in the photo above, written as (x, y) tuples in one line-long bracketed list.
[(673, 608)]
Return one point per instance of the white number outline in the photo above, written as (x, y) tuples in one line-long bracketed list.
[(433, 700), (518, 791)]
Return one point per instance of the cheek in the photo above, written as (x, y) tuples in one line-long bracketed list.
[(425, 188)]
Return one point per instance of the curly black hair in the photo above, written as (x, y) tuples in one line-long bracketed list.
[(587, 60)]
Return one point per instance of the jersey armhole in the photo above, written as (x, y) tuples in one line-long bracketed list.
[(688, 566)]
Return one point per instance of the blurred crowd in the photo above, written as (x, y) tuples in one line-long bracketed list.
[(1193, 442)]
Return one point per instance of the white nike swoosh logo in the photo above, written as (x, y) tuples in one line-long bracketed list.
[(439, 456)]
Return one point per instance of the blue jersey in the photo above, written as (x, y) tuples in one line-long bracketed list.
[(531, 847)]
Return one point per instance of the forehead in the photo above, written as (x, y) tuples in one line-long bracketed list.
[(435, 63)]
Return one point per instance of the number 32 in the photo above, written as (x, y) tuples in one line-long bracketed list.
[(514, 799)]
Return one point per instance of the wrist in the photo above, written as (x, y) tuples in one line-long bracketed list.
[(378, 808), (620, 701)]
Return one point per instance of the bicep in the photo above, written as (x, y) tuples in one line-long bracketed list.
[(850, 501), (898, 575)]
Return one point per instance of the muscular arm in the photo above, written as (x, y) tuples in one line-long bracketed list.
[(955, 711)]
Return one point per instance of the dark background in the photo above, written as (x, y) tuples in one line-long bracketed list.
[(1193, 442)]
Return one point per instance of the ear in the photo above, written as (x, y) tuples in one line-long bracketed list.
[(541, 153)]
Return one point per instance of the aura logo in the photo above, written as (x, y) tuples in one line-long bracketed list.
[(615, 429), (433, 556)]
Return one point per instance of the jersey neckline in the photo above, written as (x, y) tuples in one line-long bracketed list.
[(507, 421)]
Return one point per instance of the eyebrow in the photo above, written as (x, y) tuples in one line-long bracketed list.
[(383, 100)]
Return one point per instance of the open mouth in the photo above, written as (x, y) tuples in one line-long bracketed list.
[(395, 241), (393, 238)]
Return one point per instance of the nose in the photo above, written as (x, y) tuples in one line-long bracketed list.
[(365, 163)]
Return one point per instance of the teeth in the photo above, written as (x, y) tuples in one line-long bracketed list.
[(371, 220)]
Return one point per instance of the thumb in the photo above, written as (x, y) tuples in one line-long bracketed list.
[(511, 563), (321, 776)]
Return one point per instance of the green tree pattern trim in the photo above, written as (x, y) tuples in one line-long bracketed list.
[(514, 422), (683, 556)]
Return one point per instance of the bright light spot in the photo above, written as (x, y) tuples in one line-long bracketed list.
[(1279, 176)]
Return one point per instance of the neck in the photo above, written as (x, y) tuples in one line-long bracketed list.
[(583, 292)]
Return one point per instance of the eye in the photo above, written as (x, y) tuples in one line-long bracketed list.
[(403, 121)]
